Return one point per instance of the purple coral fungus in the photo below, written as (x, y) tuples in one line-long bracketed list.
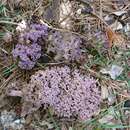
[(34, 32), (66, 46), (68, 92), (29, 53)]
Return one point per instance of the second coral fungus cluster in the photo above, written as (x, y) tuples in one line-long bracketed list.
[(64, 46)]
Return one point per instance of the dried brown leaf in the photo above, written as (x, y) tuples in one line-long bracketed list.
[(114, 38)]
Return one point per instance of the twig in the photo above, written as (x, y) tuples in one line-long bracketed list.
[(8, 22), (3, 50), (6, 81)]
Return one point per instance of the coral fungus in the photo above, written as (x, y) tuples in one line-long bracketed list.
[(28, 55), (66, 46), (67, 91), (28, 50), (35, 32)]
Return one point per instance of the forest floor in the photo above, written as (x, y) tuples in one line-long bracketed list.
[(104, 26)]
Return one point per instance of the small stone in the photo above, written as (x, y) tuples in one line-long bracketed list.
[(87, 10), (7, 37), (127, 103)]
